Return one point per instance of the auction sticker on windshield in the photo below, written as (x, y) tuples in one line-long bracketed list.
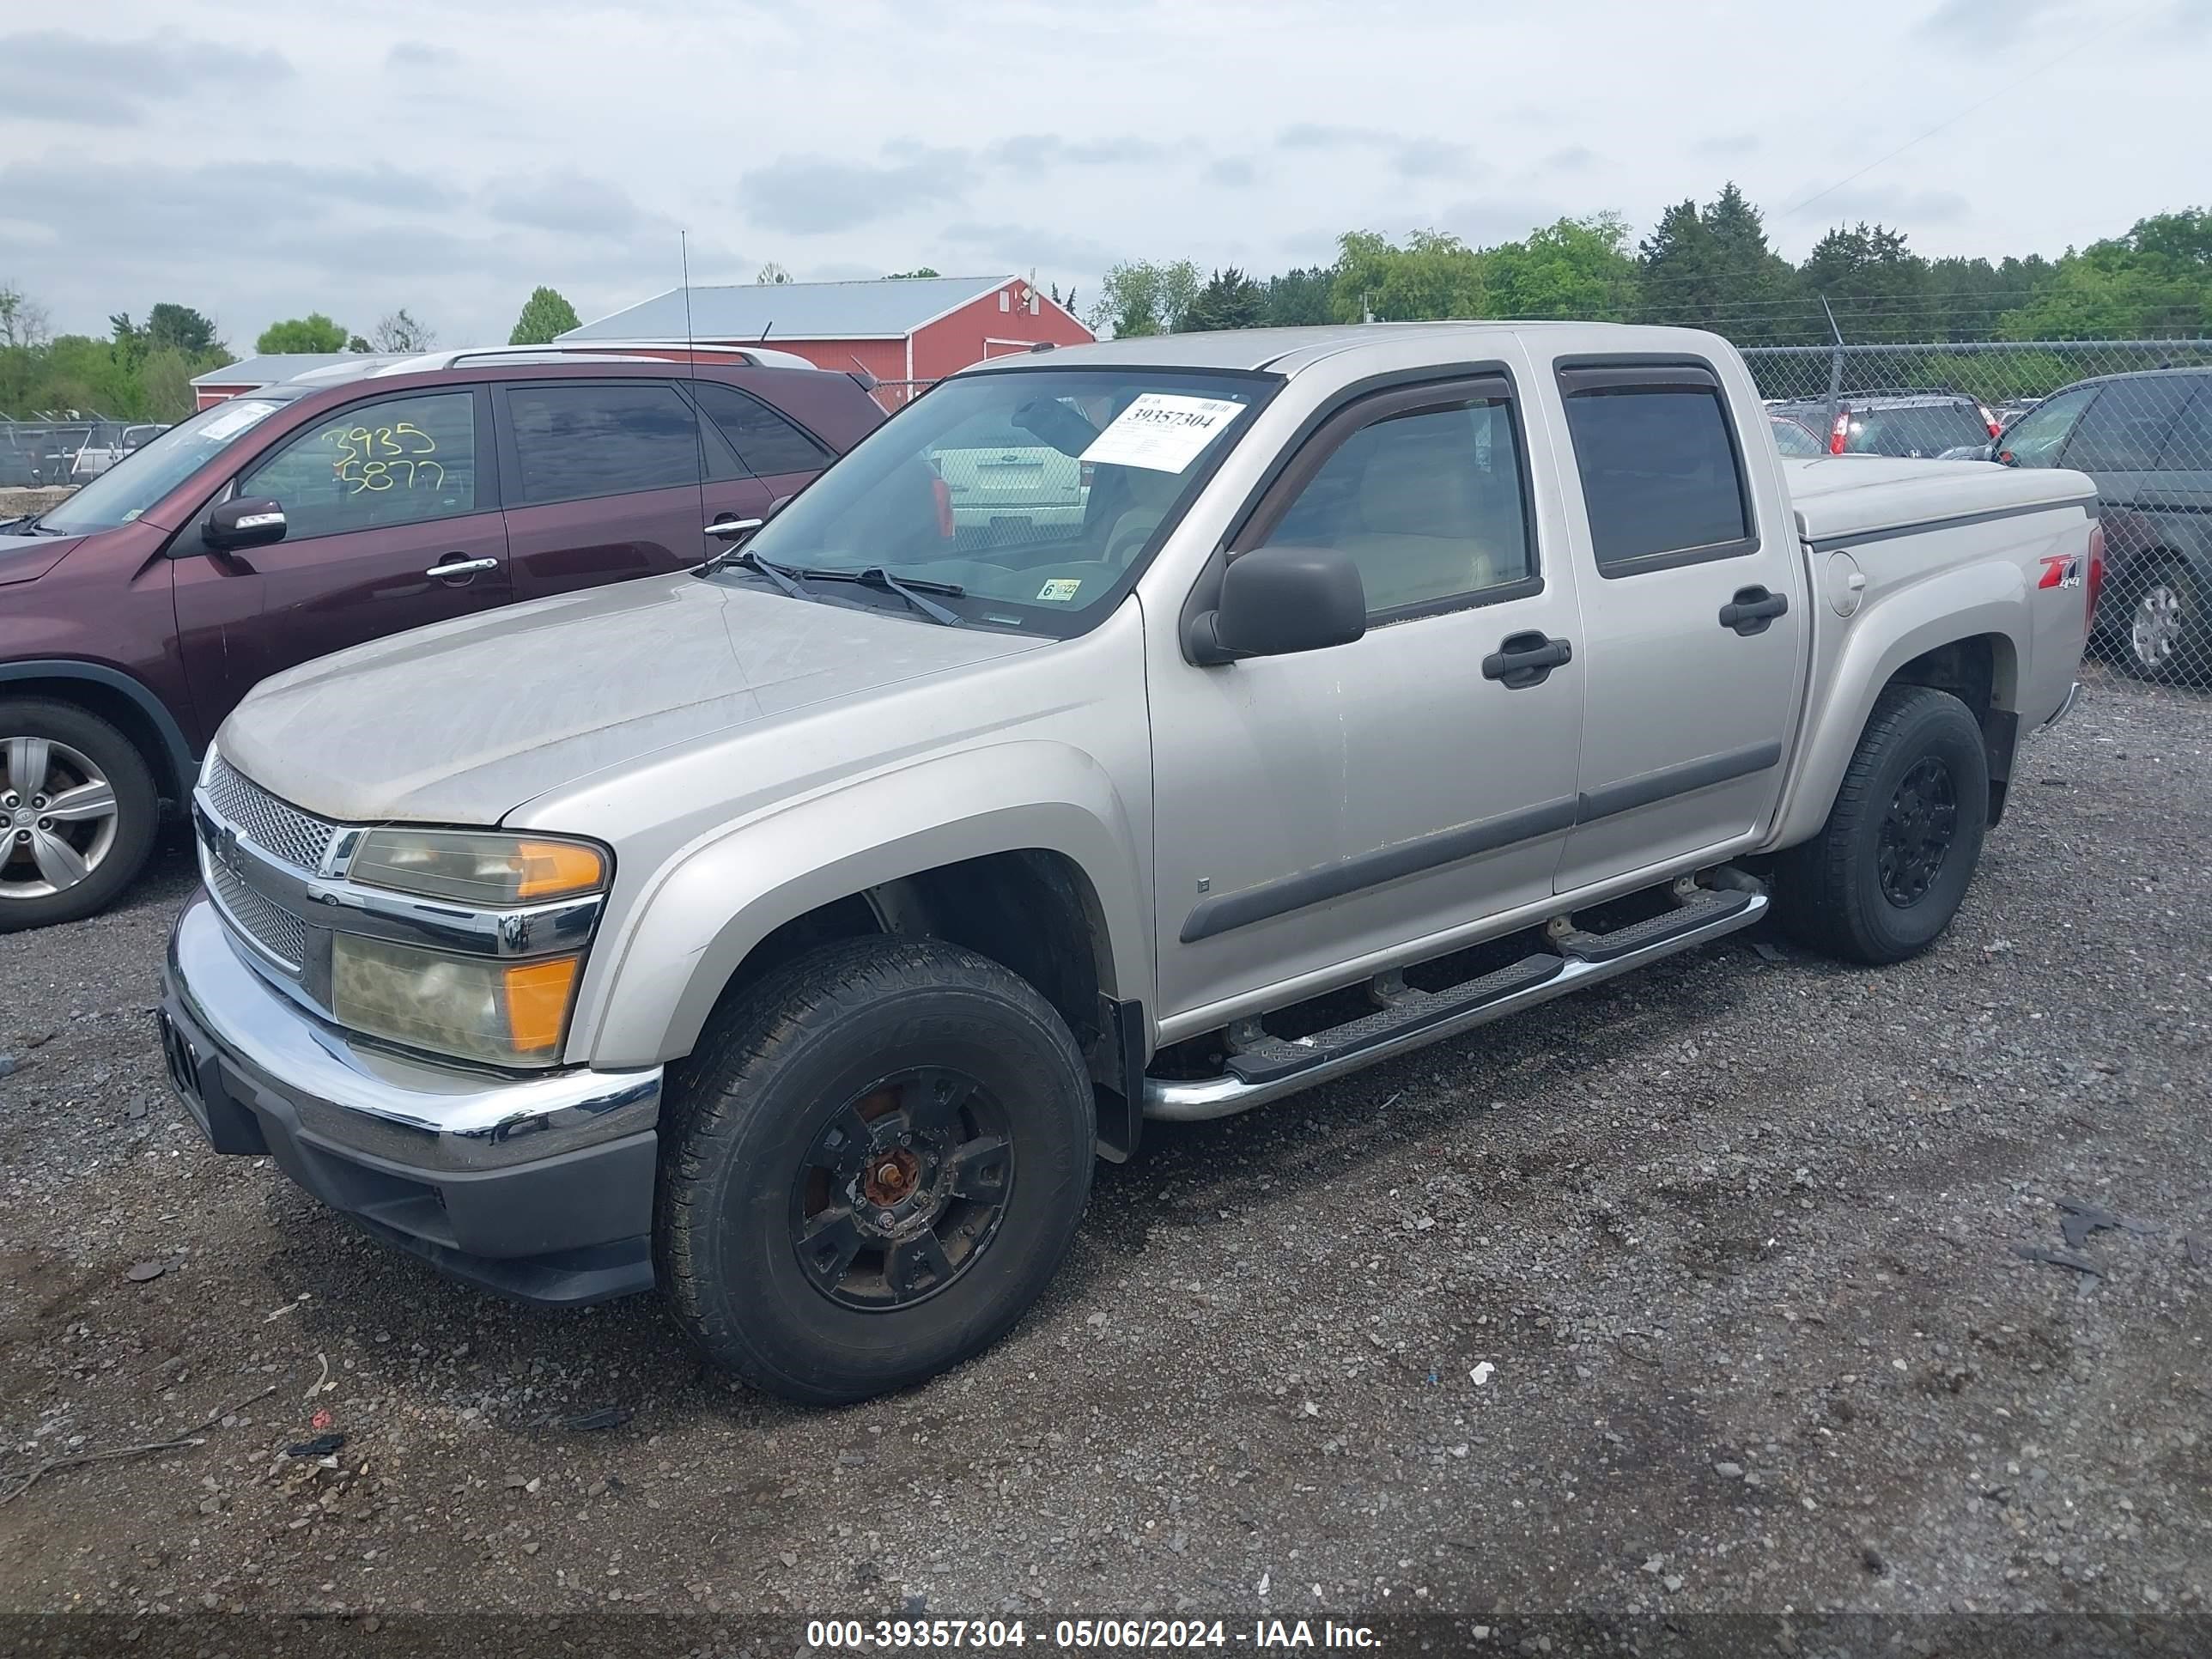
[(236, 416), (1162, 430)]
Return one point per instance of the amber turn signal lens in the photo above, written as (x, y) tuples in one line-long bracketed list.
[(537, 1003), (547, 869)]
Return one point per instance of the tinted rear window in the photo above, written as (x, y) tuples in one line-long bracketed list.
[(764, 440), (2189, 445), (1658, 472), (1923, 430), (574, 442)]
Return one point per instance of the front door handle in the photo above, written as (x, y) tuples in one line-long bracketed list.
[(1753, 609), (1526, 660), (458, 569)]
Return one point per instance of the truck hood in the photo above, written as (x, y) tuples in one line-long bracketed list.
[(461, 722), (22, 557)]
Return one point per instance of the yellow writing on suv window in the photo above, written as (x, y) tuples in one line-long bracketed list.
[(386, 458)]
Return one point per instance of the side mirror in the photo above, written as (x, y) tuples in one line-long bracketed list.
[(1278, 600), (239, 523)]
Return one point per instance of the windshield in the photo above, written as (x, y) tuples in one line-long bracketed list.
[(141, 478), (1036, 493)]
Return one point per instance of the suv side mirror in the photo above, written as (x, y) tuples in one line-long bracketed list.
[(239, 523), (1278, 600)]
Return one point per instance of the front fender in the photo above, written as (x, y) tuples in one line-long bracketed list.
[(703, 912), (1986, 598)]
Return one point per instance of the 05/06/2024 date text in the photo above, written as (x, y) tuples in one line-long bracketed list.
[(1112, 1634)]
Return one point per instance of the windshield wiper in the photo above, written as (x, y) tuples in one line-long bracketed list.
[(876, 577), (749, 560)]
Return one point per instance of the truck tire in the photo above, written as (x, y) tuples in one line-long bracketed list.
[(2162, 635), (871, 1165), (1889, 868), (71, 861)]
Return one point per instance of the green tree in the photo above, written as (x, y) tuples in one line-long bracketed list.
[(1876, 285), (401, 334), (1139, 297), (918, 270), (1712, 267), (1433, 274), (1229, 300), (1578, 268), (357, 344), (1298, 299), (546, 317), (2155, 283), (312, 332), (165, 381), (772, 274), (179, 328), (22, 320)]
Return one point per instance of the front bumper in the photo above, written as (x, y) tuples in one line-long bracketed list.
[(538, 1187)]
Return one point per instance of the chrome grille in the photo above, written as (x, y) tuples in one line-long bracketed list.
[(277, 827), (271, 926)]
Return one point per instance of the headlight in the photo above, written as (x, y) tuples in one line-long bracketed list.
[(508, 1013), (476, 868)]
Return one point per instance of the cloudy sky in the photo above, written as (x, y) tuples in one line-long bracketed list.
[(260, 159)]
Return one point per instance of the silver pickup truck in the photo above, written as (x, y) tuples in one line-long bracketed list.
[(794, 934)]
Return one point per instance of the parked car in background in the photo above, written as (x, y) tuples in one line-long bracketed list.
[(109, 446), (793, 935), (1794, 437), (315, 515), (1003, 484), (2146, 438), (1921, 425)]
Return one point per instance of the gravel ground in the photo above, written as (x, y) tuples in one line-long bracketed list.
[(13, 503), (1698, 1294)]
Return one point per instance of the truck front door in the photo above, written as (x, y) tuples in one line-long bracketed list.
[(1314, 809), (1693, 607)]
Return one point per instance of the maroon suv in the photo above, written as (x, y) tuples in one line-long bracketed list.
[(304, 517)]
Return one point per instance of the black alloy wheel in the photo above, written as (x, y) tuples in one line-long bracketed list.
[(903, 1189), (1918, 831)]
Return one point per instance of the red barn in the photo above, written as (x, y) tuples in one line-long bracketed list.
[(901, 330)]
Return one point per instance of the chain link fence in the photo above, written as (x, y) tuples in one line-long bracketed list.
[(2135, 414), (44, 454)]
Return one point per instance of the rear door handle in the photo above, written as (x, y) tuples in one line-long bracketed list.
[(1753, 609), (457, 568), (1525, 660)]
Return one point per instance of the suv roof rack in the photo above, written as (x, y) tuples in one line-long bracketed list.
[(750, 356)]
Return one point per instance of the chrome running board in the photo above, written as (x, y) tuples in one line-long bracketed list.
[(1275, 1067)]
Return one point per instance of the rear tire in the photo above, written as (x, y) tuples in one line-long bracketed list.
[(1890, 867), (73, 861), (2163, 635), (873, 1164)]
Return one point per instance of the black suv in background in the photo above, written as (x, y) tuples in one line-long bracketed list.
[(2147, 439), (1921, 425)]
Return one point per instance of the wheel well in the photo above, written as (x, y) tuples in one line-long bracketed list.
[(1982, 672), (1032, 911), (120, 710)]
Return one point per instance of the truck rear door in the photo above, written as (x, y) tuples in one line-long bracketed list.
[(1693, 614)]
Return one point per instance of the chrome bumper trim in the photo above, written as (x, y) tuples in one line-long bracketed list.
[(2073, 696), (355, 1095)]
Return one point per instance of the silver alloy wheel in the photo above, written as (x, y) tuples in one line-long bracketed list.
[(58, 816), (2155, 628)]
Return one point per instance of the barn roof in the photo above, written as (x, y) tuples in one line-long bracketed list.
[(273, 366), (883, 309)]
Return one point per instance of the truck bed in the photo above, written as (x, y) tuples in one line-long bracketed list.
[(1839, 496)]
